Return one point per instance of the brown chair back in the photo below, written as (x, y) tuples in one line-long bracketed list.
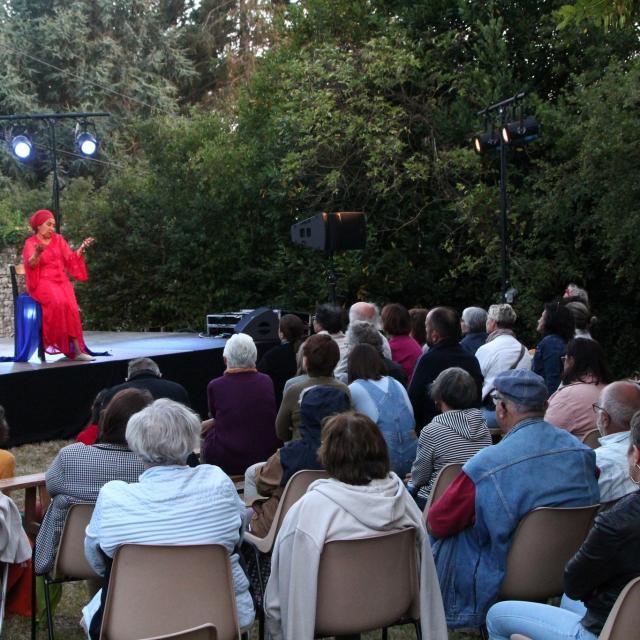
[(545, 540), (445, 477), (160, 589), (591, 439), (70, 559), (623, 621), (203, 632), (366, 583)]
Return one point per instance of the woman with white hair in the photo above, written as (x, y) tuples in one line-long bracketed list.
[(242, 405), (171, 504)]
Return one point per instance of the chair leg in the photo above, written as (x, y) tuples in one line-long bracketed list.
[(261, 624), (385, 633), (34, 603), (484, 634), (416, 624), (47, 602)]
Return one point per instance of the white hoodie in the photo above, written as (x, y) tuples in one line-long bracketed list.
[(333, 510)]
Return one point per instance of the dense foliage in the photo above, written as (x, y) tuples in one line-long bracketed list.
[(273, 112)]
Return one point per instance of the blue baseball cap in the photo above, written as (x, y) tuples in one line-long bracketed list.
[(522, 387)]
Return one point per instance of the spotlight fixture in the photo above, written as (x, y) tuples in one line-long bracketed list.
[(520, 131), (486, 141), (21, 147), (87, 144)]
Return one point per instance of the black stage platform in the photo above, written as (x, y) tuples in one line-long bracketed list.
[(53, 400)]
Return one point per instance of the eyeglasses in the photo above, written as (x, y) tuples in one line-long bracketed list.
[(597, 408), (563, 358), (496, 397)]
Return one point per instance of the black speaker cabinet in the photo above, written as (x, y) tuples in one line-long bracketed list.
[(330, 232)]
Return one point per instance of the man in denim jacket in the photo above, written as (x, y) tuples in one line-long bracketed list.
[(535, 465)]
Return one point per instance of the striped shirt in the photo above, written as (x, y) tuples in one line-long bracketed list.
[(453, 436), (170, 505)]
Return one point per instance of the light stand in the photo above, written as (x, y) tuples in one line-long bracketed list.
[(50, 120)]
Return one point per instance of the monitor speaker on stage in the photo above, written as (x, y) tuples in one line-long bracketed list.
[(261, 324), (330, 232)]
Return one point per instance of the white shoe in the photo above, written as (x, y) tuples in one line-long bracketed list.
[(84, 357)]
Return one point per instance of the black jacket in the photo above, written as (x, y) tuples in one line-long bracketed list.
[(444, 354), (607, 560), (279, 363), (157, 387)]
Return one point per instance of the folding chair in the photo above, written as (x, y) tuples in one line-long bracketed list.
[(591, 439), (167, 589), (445, 477), (203, 632), (367, 583), (27, 309)]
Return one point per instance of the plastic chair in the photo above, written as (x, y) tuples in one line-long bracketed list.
[(623, 620), (27, 320), (351, 576), (445, 477), (161, 589), (203, 632), (70, 564), (591, 439), (545, 540)]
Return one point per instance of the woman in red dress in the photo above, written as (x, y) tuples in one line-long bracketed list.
[(47, 261)]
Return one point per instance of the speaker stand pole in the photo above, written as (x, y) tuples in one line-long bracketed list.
[(332, 278)]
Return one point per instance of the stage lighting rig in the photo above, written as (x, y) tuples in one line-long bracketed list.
[(22, 147), (86, 143)]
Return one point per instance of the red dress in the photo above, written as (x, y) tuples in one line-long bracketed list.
[(48, 284)]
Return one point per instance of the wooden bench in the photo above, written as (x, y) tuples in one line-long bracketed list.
[(34, 486)]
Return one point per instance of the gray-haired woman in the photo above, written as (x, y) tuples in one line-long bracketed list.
[(171, 504), (456, 434)]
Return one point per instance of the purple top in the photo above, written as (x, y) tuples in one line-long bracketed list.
[(244, 407), (406, 352)]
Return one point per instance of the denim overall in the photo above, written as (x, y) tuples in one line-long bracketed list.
[(395, 421)]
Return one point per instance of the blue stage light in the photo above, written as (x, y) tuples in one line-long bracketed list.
[(21, 147), (87, 144)]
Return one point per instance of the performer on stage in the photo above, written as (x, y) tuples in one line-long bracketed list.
[(47, 261)]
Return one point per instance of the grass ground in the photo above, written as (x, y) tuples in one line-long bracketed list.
[(34, 458)]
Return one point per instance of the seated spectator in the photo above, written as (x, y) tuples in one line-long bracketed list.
[(614, 409), (360, 498), (242, 406), (581, 316), (473, 326), (385, 401), (573, 291), (320, 354), (418, 317), (593, 579), (317, 404), (534, 465), (279, 363), (361, 312), (328, 320), (502, 350), (365, 333), (557, 327), (584, 376), (443, 335), (396, 323), (7, 459), (144, 373), (171, 504), (78, 472), (458, 432), (89, 434)]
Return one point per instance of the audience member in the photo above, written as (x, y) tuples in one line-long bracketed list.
[(316, 404), (360, 498), (90, 433), (328, 319), (581, 316), (7, 459), (572, 290), (457, 433), (361, 312), (502, 351), (443, 334), (593, 579), (385, 401), (615, 408), (418, 317), (534, 465), (171, 504), (279, 363), (79, 471), (557, 327), (320, 354), (584, 376), (242, 406), (473, 326), (365, 333), (396, 323), (144, 373)]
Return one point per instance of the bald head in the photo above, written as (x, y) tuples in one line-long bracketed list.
[(619, 401), (443, 323), (363, 312)]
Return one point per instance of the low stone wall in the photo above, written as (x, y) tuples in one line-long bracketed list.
[(7, 257)]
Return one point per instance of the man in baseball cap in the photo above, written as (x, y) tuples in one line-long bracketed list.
[(534, 465)]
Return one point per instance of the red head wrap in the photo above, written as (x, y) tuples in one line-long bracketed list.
[(39, 217)]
